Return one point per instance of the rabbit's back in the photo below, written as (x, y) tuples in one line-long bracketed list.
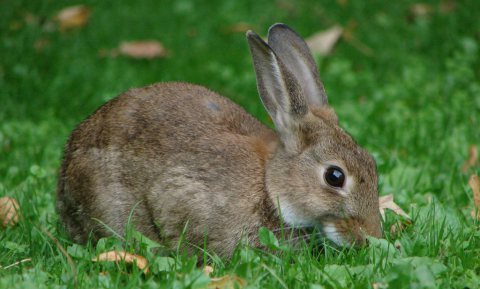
[(171, 153)]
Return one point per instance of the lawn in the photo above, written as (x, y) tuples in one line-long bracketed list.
[(404, 81)]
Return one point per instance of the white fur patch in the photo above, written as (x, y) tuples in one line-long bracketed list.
[(331, 232), (291, 216)]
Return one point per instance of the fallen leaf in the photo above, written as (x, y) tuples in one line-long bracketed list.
[(420, 9), (40, 44), (15, 25), (472, 158), (323, 42), (474, 183), (224, 282), (447, 6), (227, 282), (379, 285), (386, 202), (31, 19), (399, 226), (288, 6), (474, 215), (9, 211), (147, 49), (240, 27), (115, 256), (73, 17), (104, 52), (192, 32)]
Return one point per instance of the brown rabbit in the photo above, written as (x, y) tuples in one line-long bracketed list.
[(177, 155)]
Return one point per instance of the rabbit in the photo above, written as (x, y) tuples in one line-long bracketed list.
[(180, 162)]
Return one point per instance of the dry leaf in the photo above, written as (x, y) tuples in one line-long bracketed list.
[(447, 6), (73, 17), (323, 42), (420, 9), (15, 25), (9, 211), (227, 282), (379, 285), (472, 158), (31, 19), (224, 282), (474, 214), (115, 256), (399, 226), (40, 44), (240, 27), (474, 183), (386, 202), (147, 49), (286, 5)]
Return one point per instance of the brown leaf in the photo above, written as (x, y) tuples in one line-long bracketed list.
[(240, 27), (399, 226), (147, 49), (41, 44), (227, 282), (447, 6), (323, 42), (31, 19), (386, 202), (474, 214), (116, 256), (420, 9), (379, 285), (472, 158), (9, 211), (224, 282), (72, 17), (474, 183)]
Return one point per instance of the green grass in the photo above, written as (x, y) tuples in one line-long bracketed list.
[(413, 102)]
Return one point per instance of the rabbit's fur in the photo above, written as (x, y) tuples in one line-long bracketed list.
[(178, 157)]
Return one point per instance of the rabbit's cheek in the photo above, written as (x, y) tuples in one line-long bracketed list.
[(292, 216), (332, 232)]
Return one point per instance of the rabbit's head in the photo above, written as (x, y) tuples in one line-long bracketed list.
[(318, 176)]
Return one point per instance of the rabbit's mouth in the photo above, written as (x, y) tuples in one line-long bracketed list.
[(341, 233), (348, 232)]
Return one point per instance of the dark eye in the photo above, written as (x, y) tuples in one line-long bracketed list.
[(334, 176)]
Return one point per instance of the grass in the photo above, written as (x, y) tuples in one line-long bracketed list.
[(412, 98)]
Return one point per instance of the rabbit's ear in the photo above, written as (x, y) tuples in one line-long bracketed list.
[(295, 54), (279, 90)]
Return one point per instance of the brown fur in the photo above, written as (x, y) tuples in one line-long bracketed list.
[(177, 154)]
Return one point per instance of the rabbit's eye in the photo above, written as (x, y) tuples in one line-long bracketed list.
[(334, 176)]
